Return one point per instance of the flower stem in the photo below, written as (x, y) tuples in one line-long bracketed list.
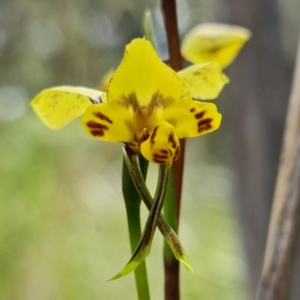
[(132, 203), (173, 199)]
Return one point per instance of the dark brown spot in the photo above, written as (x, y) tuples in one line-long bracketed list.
[(144, 136), (92, 124), (158, 156), (164, 151), (97, 132), (214, 50), (200, 115), (96, 128), (103, 117), (204, 122), (204, 125), (192, 109), (196, 73), (172, 141), (152, 138), (204, 128)]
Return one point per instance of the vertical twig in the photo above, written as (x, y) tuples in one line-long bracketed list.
[(171, 264), (279, 260)]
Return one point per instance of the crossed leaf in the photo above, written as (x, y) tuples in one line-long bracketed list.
[(155, 217)]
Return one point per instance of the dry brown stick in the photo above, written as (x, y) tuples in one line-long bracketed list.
[(171, 24), (279, 259), (171, 265)]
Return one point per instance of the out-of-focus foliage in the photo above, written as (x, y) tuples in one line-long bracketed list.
[(62, 216), (63, 220)]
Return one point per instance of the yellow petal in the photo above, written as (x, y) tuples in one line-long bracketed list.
[(109, 122), (205, 80), (214, 42), (193, 119), (162, 146), (60, 105), (142, 76)]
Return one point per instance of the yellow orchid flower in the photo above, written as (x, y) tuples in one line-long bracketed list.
[(214, 42), (147, 106)]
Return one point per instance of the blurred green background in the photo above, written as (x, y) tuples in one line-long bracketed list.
[(63, 229)]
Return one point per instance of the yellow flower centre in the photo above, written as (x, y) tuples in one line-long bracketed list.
[(144, 118), (144, 121)]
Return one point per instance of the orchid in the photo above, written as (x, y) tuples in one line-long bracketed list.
[(214, 42), (147, 107)]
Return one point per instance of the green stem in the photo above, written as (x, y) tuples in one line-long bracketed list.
[(132, 203)]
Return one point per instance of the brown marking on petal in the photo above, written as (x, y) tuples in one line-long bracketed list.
[(204, 125), (158, 156), (152, 138), (158, 161), (159, 101), (192, 109), (96, 128), (204, 128), (200, 115), (204, 122), (144, 136), (214, 50), (129, 100), (196, 73), (97, 132), (164, 151), (92, 124), (103, 117), (172, 141)]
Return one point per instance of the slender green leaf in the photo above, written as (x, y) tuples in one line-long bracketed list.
[(144, 246), (132, 203)]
